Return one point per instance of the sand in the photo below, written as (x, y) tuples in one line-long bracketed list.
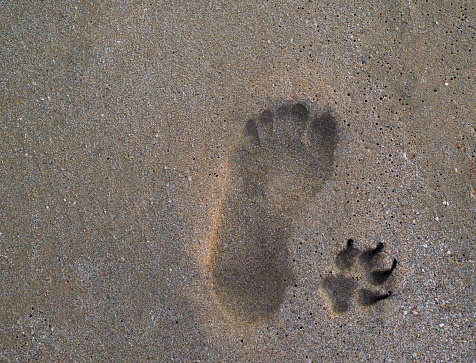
[(117, 124)]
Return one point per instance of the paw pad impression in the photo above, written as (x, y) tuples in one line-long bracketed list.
[(357, 278)]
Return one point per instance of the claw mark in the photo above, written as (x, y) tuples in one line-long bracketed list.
[(368, 297), (379, 277)]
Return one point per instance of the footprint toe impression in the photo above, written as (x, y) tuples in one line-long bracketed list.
[(283, 157), (339, 289)]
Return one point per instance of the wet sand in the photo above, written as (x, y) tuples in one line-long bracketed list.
[(118, 122)]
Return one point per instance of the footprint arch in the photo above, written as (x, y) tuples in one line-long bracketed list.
[(283, 157)]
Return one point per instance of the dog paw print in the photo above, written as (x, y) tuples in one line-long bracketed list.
[(357, 278)]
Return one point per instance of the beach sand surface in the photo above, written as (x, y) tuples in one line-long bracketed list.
[(118, 124)]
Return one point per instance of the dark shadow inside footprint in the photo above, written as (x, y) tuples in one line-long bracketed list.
[(380, 276), (367, 297), (345, 259), (324, 130), (283, 157), (252, 268), (300, 112), (339, 291), (369, 257)]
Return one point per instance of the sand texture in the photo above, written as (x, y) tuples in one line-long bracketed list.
[(209, 181)]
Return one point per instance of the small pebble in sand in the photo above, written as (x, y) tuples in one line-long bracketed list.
[(415, 313)]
